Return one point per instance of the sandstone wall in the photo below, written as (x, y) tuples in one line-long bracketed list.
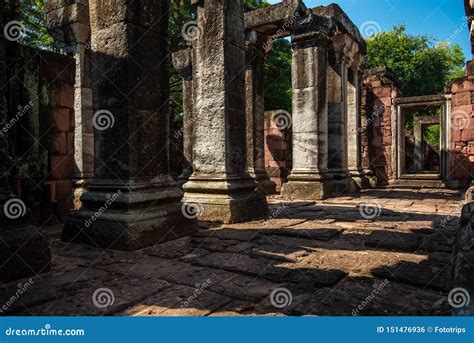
[(277, 151), (462, 127), (41, 118)]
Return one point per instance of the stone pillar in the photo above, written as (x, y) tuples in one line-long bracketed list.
[(132, 201), (418, 133), (354, 128), (69, 24), (337, 113), (182, 62), (254, 76), (220, 186), (24, 249), (309, 178)]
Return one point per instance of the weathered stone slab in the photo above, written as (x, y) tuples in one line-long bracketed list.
[(230, 234), (124, 291), (179, 301), (364, 297), (423, 275), (148, 266), (311, 230), (316, 277), (261, 267), (172, 249), (438, 242), (393, 241)]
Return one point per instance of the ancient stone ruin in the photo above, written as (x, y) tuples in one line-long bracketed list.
[(95, 135)]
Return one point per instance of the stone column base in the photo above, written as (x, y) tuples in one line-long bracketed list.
[(304, 186), (130, 220), (363, 180), (224, 199), (343, 184), (264, 184), (24, 251)]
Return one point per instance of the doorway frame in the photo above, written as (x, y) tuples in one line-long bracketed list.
[(401, 106)]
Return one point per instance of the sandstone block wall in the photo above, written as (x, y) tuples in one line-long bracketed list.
[(462, 128), (41, 106), (277, 151), (380, 90)]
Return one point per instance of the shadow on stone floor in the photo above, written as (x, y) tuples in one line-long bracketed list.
[(328, 267)]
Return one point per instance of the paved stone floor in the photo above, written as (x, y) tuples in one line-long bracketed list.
[(386, 252)]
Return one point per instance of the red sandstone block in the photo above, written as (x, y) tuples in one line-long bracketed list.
[(457, 87), (63, 95), (384, 91), (455, 135), (56, 67), (462, 98), (387, 140), (61, 167), (57, 143), (462, 109), (467, 135), (59, 119), (70, 142), (72, 121)]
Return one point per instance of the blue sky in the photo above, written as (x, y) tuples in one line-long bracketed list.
[(443, 20)]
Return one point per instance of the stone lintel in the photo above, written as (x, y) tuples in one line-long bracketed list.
[(312, 30), (343, 23), (275, 20)]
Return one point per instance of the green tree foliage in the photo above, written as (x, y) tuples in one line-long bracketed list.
[(423, 68), (32, 17), (277, 84)]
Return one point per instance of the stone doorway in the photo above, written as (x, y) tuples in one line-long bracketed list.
[(422, 154)]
